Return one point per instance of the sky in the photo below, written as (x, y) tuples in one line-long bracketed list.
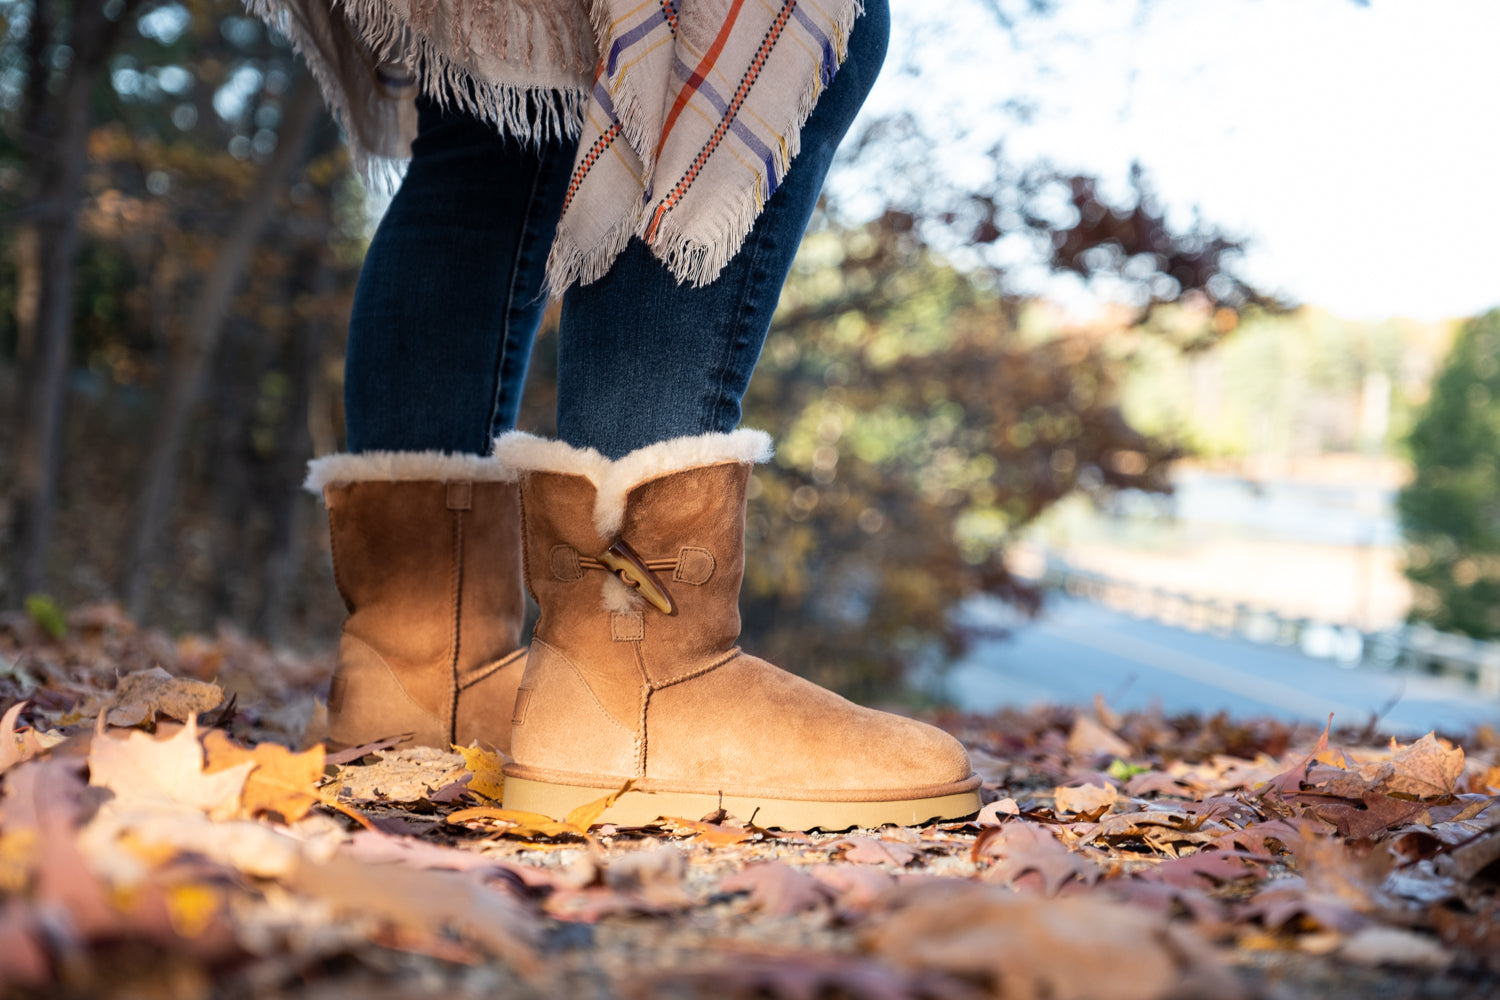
[(1357, 148)]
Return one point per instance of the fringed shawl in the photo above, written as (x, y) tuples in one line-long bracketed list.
[(688, 112)]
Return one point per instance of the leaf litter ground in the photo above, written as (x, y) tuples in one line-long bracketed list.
[(169, 829)]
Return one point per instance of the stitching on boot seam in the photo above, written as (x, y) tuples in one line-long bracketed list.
[(333, 556), (585, 682), (642, 737), (455, 648), (489, 671), (395, 677), (732, 654)]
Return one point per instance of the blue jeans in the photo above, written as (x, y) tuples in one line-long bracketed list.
[(450, 295)]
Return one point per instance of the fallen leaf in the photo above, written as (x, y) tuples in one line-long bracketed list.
[(148, 773), (527, 824), (777, 889), (1085, 798), (1078, 948), (1019, 848), (410, 774), (16, 747), (870, 851), (282, 782), (802, 976), (995, 813), (1426, 769), (1394, 946), (1089, 739), (143, 695), (425, 903), (487, 779), (712, 834)]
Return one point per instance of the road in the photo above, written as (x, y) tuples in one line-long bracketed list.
[(1079, 649)]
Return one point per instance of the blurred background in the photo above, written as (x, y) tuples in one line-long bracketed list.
[(1141, 348)]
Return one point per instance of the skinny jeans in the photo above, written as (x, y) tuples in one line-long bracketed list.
[(451, 294)]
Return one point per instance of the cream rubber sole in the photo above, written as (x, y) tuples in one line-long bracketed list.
[(639, 808)]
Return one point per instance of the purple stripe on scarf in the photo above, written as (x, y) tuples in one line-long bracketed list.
[(830, 57), (739, 129), (629, 38)]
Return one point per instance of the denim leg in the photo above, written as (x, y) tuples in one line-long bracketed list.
[(450, 295), (642, 359)]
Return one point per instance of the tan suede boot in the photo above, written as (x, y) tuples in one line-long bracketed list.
[(643, 680), (426, 554)]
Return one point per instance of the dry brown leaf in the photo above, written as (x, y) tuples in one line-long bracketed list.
[(282, 782), (1089, 739), (801, 976), (1085, 798), (153, 774), (424, 903), (1078, 948), (143, 695), (487, 780), (777, 889), (1019, 848), (410, 774), (870, 851), (712, 834), (528, 824), (1426, 769)]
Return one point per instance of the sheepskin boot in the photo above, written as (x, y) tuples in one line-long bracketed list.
[(426, 554), (634, 672)]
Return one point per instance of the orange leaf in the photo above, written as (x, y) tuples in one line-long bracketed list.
[(282, 782)]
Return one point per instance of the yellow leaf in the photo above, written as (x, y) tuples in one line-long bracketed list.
[(586, 816), (282, 782), (191, 908), (488, 780), (528, 824)]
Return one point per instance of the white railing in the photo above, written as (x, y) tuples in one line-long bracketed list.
[(1415, 648)]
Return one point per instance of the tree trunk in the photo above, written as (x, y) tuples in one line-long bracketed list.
[(287, 506), (54, 138), (200, 338)]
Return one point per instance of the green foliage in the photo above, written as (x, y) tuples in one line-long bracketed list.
[(918, 430), (48, 616), (1451, 511)]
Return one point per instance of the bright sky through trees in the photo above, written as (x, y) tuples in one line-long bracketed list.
[(1356, 146)]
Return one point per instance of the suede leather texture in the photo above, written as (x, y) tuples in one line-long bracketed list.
[(670, 700), (430, 572)]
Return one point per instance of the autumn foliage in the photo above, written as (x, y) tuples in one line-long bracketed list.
[(1135, 857)]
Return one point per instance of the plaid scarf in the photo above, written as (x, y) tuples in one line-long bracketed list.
[(688, 112)]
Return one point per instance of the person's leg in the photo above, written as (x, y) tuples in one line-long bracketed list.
[(642, 358), (450, 295), (425, 529)]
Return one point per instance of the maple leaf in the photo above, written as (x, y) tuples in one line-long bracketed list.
[(1426, 769), (151, 773), (1020, 848), (282, 782), (487, 780)]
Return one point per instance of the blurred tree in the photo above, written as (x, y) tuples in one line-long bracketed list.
[(214, 194), (1450, 513)]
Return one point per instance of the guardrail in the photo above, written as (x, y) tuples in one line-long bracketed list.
[(1414, 648)]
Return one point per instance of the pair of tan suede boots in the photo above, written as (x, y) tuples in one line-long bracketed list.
[(633, 671)]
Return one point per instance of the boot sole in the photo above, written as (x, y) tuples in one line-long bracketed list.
[(636, 808)]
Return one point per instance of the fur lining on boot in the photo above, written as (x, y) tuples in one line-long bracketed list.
[(614, 479), (394, 466)]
